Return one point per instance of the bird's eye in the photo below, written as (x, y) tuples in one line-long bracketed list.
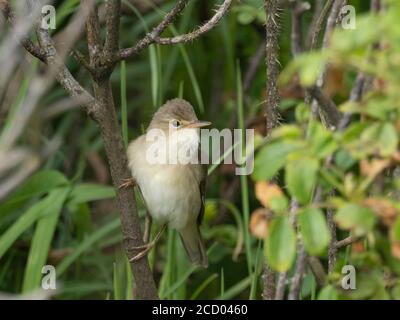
[(176, 123)]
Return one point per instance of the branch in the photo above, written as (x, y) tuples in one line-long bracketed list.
[(95, 46), (113, 8), (151, 36), (318, 270), (272, 29), (253, 66), (268, 278), (347, 241), (332, 248), (297, 10), (330, 109), (29, 46), (62, 74), (210, 24), (297, 279), (317, 27)]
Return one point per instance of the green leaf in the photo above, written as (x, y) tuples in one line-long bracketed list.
[(38, 184), (86, 192), (355, 217), (300, 177), (87, 244), (314, 230), (388, 140), (280, 247), (36, 211), (322, 140), (395, 230), (344, 160), (41, 240), (328, 293), (270, 159)]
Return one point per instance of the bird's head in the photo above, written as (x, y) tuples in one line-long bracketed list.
[(176, 115)]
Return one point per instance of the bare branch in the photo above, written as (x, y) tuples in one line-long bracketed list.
[(210, 24), (318, 270), (281, 286), (332, 248), (347, 241), (272, 30), (318, 5), (81, 59), (317, 27), (329, 108), (253, 66), (29, 46), (95, 46), (297, 279), (297, 10), (268, 278), (62, 74), (151, 36), (113, 8)]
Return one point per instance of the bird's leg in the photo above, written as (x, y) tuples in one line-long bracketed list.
[(148, 246), (126, 183), (147, 227)]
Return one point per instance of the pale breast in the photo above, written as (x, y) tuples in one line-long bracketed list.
[(171, 192)]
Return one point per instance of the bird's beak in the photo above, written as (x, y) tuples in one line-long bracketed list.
[(198, 124)]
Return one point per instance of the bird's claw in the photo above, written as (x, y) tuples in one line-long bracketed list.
[(129, 182), (147, 247)]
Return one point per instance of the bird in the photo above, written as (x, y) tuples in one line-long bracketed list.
[(173, 190)]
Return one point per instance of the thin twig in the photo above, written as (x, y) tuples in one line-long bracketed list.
[(347, 241), (318, 270), (62, 74), (329, 107), (297, 10), (253, 66), (297, 279), (317, 27), (29, 46), (152, 36), (210, 24), (332, 248)]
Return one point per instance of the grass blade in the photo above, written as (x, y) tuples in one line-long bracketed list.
[(87, 244), (243, 179), (41, 240)]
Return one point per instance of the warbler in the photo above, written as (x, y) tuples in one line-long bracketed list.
[(168, 172)]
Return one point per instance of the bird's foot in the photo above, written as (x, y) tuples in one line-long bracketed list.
[(147, 247), (126, 183)]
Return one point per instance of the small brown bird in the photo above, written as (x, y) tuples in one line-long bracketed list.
[(173, 190)]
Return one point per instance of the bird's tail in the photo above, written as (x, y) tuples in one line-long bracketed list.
[(194, 245)]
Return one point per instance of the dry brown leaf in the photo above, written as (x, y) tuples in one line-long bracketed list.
[(383, 208), (396, 249), (396, 156), (266, 191), (372, 168), (259, 223), (357, 247)]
